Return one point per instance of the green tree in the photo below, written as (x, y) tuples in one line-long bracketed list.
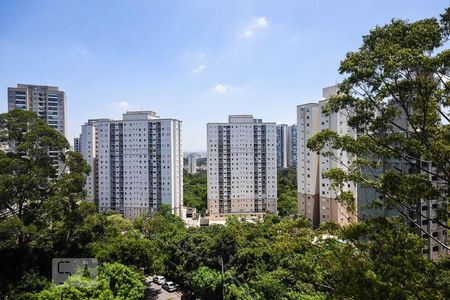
[(394, 268), (207, 283), (27, 175), (115, 281), (195, 191), (166, 231), (287, 191), (40, 210), (397, 97), (128, 248)]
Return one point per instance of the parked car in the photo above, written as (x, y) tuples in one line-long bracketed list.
[(159, 280), (169, 286)]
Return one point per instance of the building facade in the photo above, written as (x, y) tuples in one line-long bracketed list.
[(316, 198), (76, 145), (242, 169), (329, 208), (192, 163), (308, 163), (282, 146), (137, 163), (48, 102), (424, 215), (292, 146)]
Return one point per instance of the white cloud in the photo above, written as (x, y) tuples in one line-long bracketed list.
[(199, 69), (124, 105), (257, 24), (247, 33), (221, 88), (261, 22)]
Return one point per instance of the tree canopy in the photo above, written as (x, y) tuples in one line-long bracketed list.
[(287, 191), (195, 191), (396, 97), (115, 281)]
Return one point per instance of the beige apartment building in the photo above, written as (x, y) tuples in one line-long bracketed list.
[(308, 163), (242, 169), (316, 198)]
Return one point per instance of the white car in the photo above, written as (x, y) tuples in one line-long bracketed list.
[(169, 286), (159, 280)]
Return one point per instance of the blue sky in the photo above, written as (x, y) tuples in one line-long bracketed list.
[(197, 61)]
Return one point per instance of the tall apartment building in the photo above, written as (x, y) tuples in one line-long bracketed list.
[(242, 169), (308, 163), (48, 102), (137, 163), (317, 200), (286, 146), (422, 214), (192, 163), (292, 146), (425, 215), (76, 145), (282, 146), (330, 209)]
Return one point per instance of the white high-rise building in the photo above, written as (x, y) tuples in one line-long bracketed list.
[(317, 200), (192, 163), (292, 146), (308, 162), (137, 163), (282, 146), (330, 209), (242, 169)]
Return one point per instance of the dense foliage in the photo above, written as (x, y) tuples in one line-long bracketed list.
[(397, 96), (195, 191), (287, 191), (115, 281), (277, 258)]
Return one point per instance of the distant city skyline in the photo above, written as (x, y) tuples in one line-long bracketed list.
[(195, 61)]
